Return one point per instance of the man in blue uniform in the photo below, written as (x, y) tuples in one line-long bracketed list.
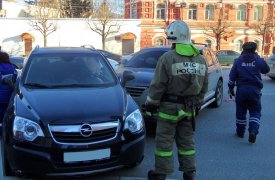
[(6, 68), (246, 75)]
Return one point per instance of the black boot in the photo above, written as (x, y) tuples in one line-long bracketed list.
[(190, 175), (252, 137), (240, 134), (152, 175)]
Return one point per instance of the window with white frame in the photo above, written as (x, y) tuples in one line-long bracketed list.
[(258, 13), (161, 11), (209, 12), (134, 11), (239, 45), (159, 42), (192, 12), (241, 14)]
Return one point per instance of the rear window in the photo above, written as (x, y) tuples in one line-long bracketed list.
[(62, 70), (147, 59)]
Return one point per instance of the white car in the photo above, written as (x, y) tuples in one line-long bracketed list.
[(271, 63)]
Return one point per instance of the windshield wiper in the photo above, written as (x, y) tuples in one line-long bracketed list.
[(37, 85), (72, 85)]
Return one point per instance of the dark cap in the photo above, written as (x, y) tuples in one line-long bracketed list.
[(250, 46), (4, 57)]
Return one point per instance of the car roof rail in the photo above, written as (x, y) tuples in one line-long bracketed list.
[(36, 47), (88, 46), (205, 45)]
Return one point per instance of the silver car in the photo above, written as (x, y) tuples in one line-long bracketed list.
[(271, 63), (143, 65)]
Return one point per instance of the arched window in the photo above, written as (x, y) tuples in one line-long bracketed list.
[(134, 11), (208, 42), (209, 12), (159, 42), (192, 12), (258, 13), (161, 11), (241, 14), (239, 45)]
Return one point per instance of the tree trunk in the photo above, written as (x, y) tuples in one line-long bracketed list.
[(262, 53), (45, 40), (103, 41), (218, 47)]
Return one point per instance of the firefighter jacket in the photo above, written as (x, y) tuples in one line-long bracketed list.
[(178, 75), (247, 70)]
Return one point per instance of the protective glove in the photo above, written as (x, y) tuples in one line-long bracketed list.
[(152, 108), (231, 93)]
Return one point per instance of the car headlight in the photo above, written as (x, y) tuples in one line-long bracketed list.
[(134, 122), (26, 129)]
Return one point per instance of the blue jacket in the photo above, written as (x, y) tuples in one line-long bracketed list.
[(5, 89), (247, 70)]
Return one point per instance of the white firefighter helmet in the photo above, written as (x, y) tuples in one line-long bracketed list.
[(178, 32)]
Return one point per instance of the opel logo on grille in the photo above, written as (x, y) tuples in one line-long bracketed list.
[(86, 130)]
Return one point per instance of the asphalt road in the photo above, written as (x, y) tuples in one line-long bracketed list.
[(220, 154)]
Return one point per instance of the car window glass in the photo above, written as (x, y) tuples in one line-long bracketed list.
[(221, 53), (145, 59), (208, 58), (230, 53), (67, 69)]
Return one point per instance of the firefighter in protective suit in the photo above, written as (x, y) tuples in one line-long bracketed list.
[(177, 89), (246, 75)]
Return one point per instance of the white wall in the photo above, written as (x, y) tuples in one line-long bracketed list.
[(70, 32)]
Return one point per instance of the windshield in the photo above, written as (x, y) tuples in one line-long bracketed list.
[(146, 59), (72, 70)]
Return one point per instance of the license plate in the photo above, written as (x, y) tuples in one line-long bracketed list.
[(86, 155)]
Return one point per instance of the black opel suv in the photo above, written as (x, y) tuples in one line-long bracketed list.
[(70, 115)]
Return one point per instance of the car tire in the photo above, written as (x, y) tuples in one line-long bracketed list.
[(5, 164), (218, 95)]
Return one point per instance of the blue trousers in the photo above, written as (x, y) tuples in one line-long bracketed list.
[(248, 98)]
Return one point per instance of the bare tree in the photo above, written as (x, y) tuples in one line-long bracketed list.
[(219, 28), (264, 28), (42, 17), (103, 22)]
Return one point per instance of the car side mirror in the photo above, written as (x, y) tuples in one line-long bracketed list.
[(127, 76)]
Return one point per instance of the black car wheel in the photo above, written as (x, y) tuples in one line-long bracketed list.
[(218, 95), (5, 164)]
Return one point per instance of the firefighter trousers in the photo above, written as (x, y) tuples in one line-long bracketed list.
[(172, 128)]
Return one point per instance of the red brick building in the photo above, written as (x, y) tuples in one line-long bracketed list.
[(234, 21)]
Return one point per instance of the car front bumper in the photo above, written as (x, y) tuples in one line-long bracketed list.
[(42, 163)]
